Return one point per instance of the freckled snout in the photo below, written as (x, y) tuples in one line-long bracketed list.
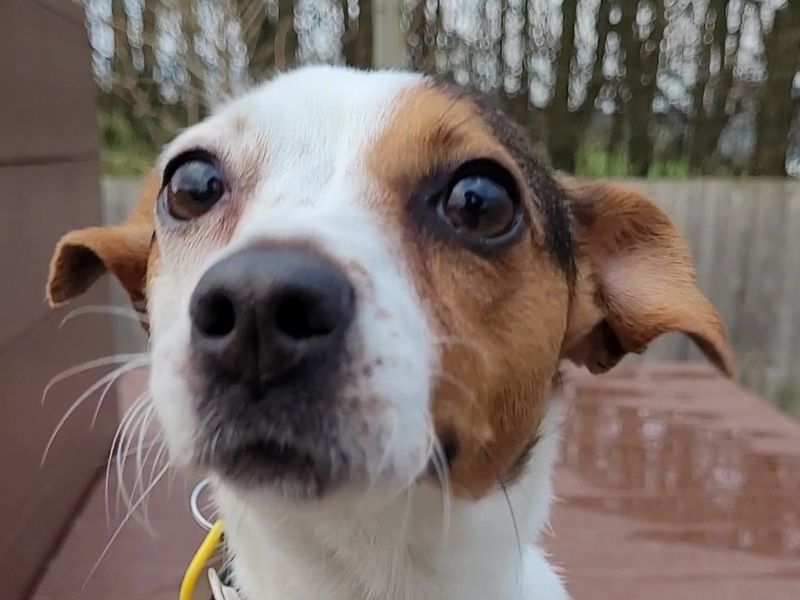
[(271, 315)]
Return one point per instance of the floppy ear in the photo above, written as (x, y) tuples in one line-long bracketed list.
[(83, 255), (635, 281)]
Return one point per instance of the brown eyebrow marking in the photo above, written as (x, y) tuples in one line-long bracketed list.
[(438, 124), (551, 198), (471, 296), (429, 131)]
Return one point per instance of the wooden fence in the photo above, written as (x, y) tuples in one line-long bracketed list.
[(745, 235)]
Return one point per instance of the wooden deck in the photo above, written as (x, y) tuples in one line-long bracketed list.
[(673, 483)]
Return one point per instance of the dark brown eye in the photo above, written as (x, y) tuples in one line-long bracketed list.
[(478, 205), (193, 188)]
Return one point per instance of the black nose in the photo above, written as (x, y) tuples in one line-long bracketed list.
[(269, 313)]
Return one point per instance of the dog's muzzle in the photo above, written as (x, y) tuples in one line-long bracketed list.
[(269, 335)]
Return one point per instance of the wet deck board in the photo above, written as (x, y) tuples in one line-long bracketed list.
[(673, 482)]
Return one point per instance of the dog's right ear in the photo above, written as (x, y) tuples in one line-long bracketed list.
[(83, 255), (635, 281)]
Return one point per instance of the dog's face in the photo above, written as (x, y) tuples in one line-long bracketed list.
[(353, 279)]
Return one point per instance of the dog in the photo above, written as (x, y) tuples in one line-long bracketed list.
[(359, 288)]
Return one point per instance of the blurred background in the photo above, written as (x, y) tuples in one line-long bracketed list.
[(698, 98), (643, 88), (696, 102)]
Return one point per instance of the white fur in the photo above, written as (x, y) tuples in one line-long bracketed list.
[(396, 539), (412, 547)]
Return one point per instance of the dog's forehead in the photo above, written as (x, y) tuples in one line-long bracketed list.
[(337, 138), (312, 119)]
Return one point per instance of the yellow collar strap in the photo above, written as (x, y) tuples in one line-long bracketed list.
[(201, 558)]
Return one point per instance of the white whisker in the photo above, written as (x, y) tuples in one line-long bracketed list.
[(103, 309), (132, 366), (140, 401), (513, 523), (141, 457), (122, 524), (92, 364), (141, 461), (443, 475), (122, 490), (122, 452), (110, 377), (160, 455)]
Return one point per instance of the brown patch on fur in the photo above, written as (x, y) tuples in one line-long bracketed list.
[(83, 255), (440, 131), (506, 320), (501, 318), (636, 281), (131, 251)]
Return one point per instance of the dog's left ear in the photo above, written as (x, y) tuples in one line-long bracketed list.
[(83, 255), (635, 281)]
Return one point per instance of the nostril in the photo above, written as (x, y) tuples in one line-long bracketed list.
[(300, 315), (216, 315), (261, 314)]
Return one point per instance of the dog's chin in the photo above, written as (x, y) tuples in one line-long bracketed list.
[(288, 473), (281, 469)]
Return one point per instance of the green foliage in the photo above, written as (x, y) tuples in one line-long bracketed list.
[(595, 162), (125, 152), (788, 400), (654, 123)]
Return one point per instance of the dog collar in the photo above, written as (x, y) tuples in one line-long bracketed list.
[(203, 556)]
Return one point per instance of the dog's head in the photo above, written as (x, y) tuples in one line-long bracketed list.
[(349, 275)]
